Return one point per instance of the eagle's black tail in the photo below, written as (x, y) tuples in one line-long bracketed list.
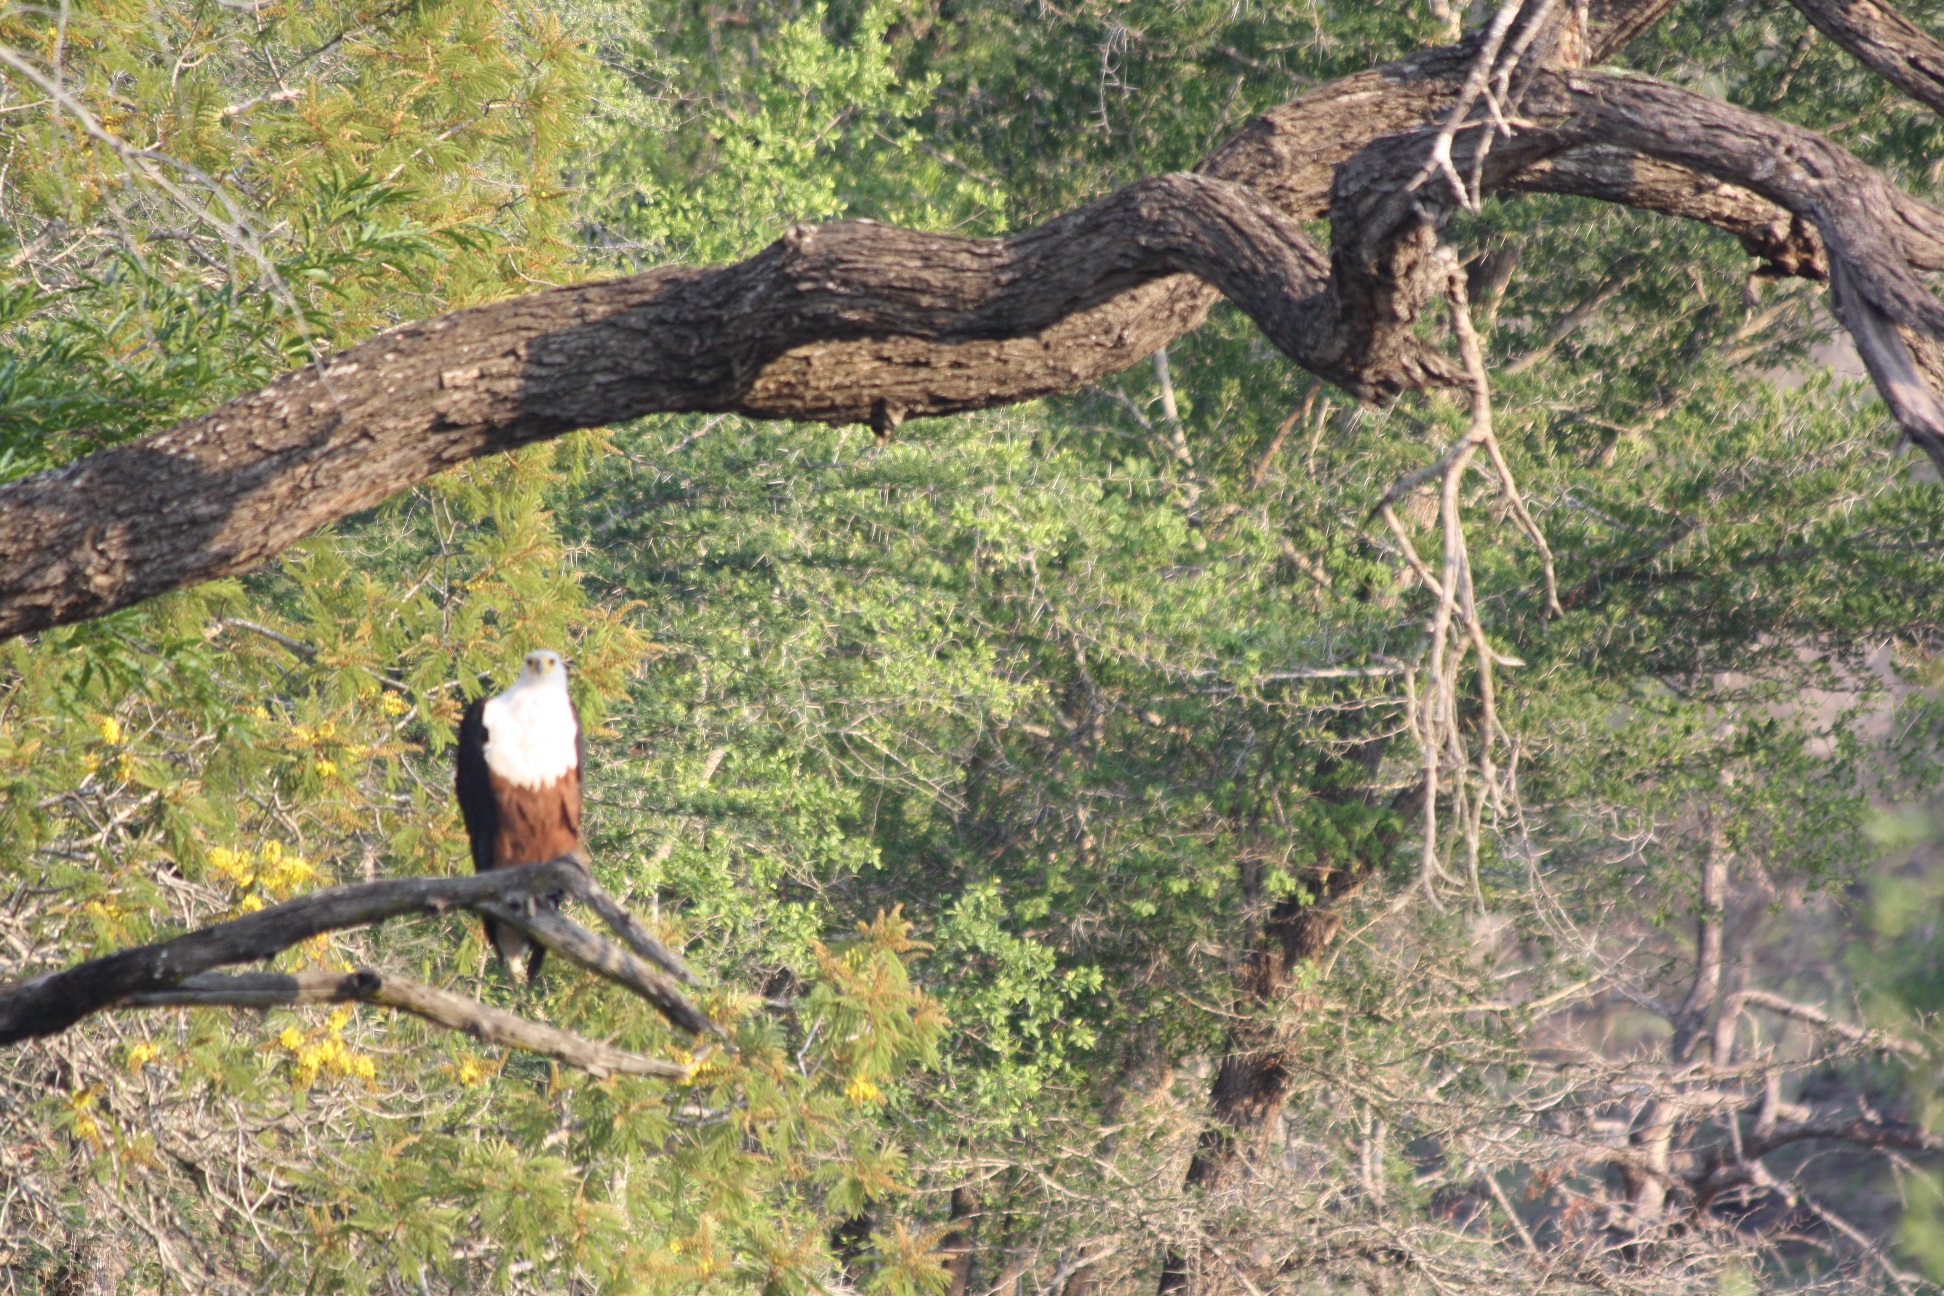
[(514, 948)]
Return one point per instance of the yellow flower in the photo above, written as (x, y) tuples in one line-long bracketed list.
[(340, 1018), (234, 865), (124, 767), (301, 733), (283, 870), (110, 729), (327, 769), (140, 1055), (472, 1072), (85, 1125), (393, 705), (364, 1068), (860, 1091), (326, 731), (260, 711), (249, 904), (290, 1040)]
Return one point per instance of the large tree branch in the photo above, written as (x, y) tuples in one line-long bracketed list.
[(869, 323), (50, 1003), (1877, 238), (1886, 42), (1785, 242), (1806, 203), (827, 323)]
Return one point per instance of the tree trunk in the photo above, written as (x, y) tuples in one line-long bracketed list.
[(1253, 1077)]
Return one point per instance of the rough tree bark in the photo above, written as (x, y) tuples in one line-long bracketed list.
[(856, 322), (1253, 1077)]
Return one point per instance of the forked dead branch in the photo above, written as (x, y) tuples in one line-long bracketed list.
[(177, 972)]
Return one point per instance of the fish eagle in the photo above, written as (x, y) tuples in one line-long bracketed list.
[(519, 784)]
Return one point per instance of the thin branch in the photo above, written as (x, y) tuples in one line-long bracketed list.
[(483, 1022), (1815, 1016), (629, 929)]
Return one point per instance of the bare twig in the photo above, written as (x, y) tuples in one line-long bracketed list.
[(1815, 1016)]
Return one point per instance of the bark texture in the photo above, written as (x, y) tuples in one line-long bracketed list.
[(856, 322), (1886, 42), (1253, 1078)]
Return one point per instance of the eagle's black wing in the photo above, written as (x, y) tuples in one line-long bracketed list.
[(476, 803), (580, 771)]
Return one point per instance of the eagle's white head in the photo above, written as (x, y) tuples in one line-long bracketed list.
[(532, 737), (543, 665)]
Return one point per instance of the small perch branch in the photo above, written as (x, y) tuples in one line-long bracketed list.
[(52, 1002), (486, 1024)]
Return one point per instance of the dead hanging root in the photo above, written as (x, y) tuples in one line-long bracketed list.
[(1473, 778)]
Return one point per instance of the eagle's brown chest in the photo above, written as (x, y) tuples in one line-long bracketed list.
[(536, 824)]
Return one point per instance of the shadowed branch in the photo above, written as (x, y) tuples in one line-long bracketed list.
[(178, 971)]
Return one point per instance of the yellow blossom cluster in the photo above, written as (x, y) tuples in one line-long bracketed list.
[(107, 914), (324, 1052), (861, 1090), (394, 705), (140, 1055), (472, 1071), (106, 908), (273, 870), (109, 730), (85, 1126)]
